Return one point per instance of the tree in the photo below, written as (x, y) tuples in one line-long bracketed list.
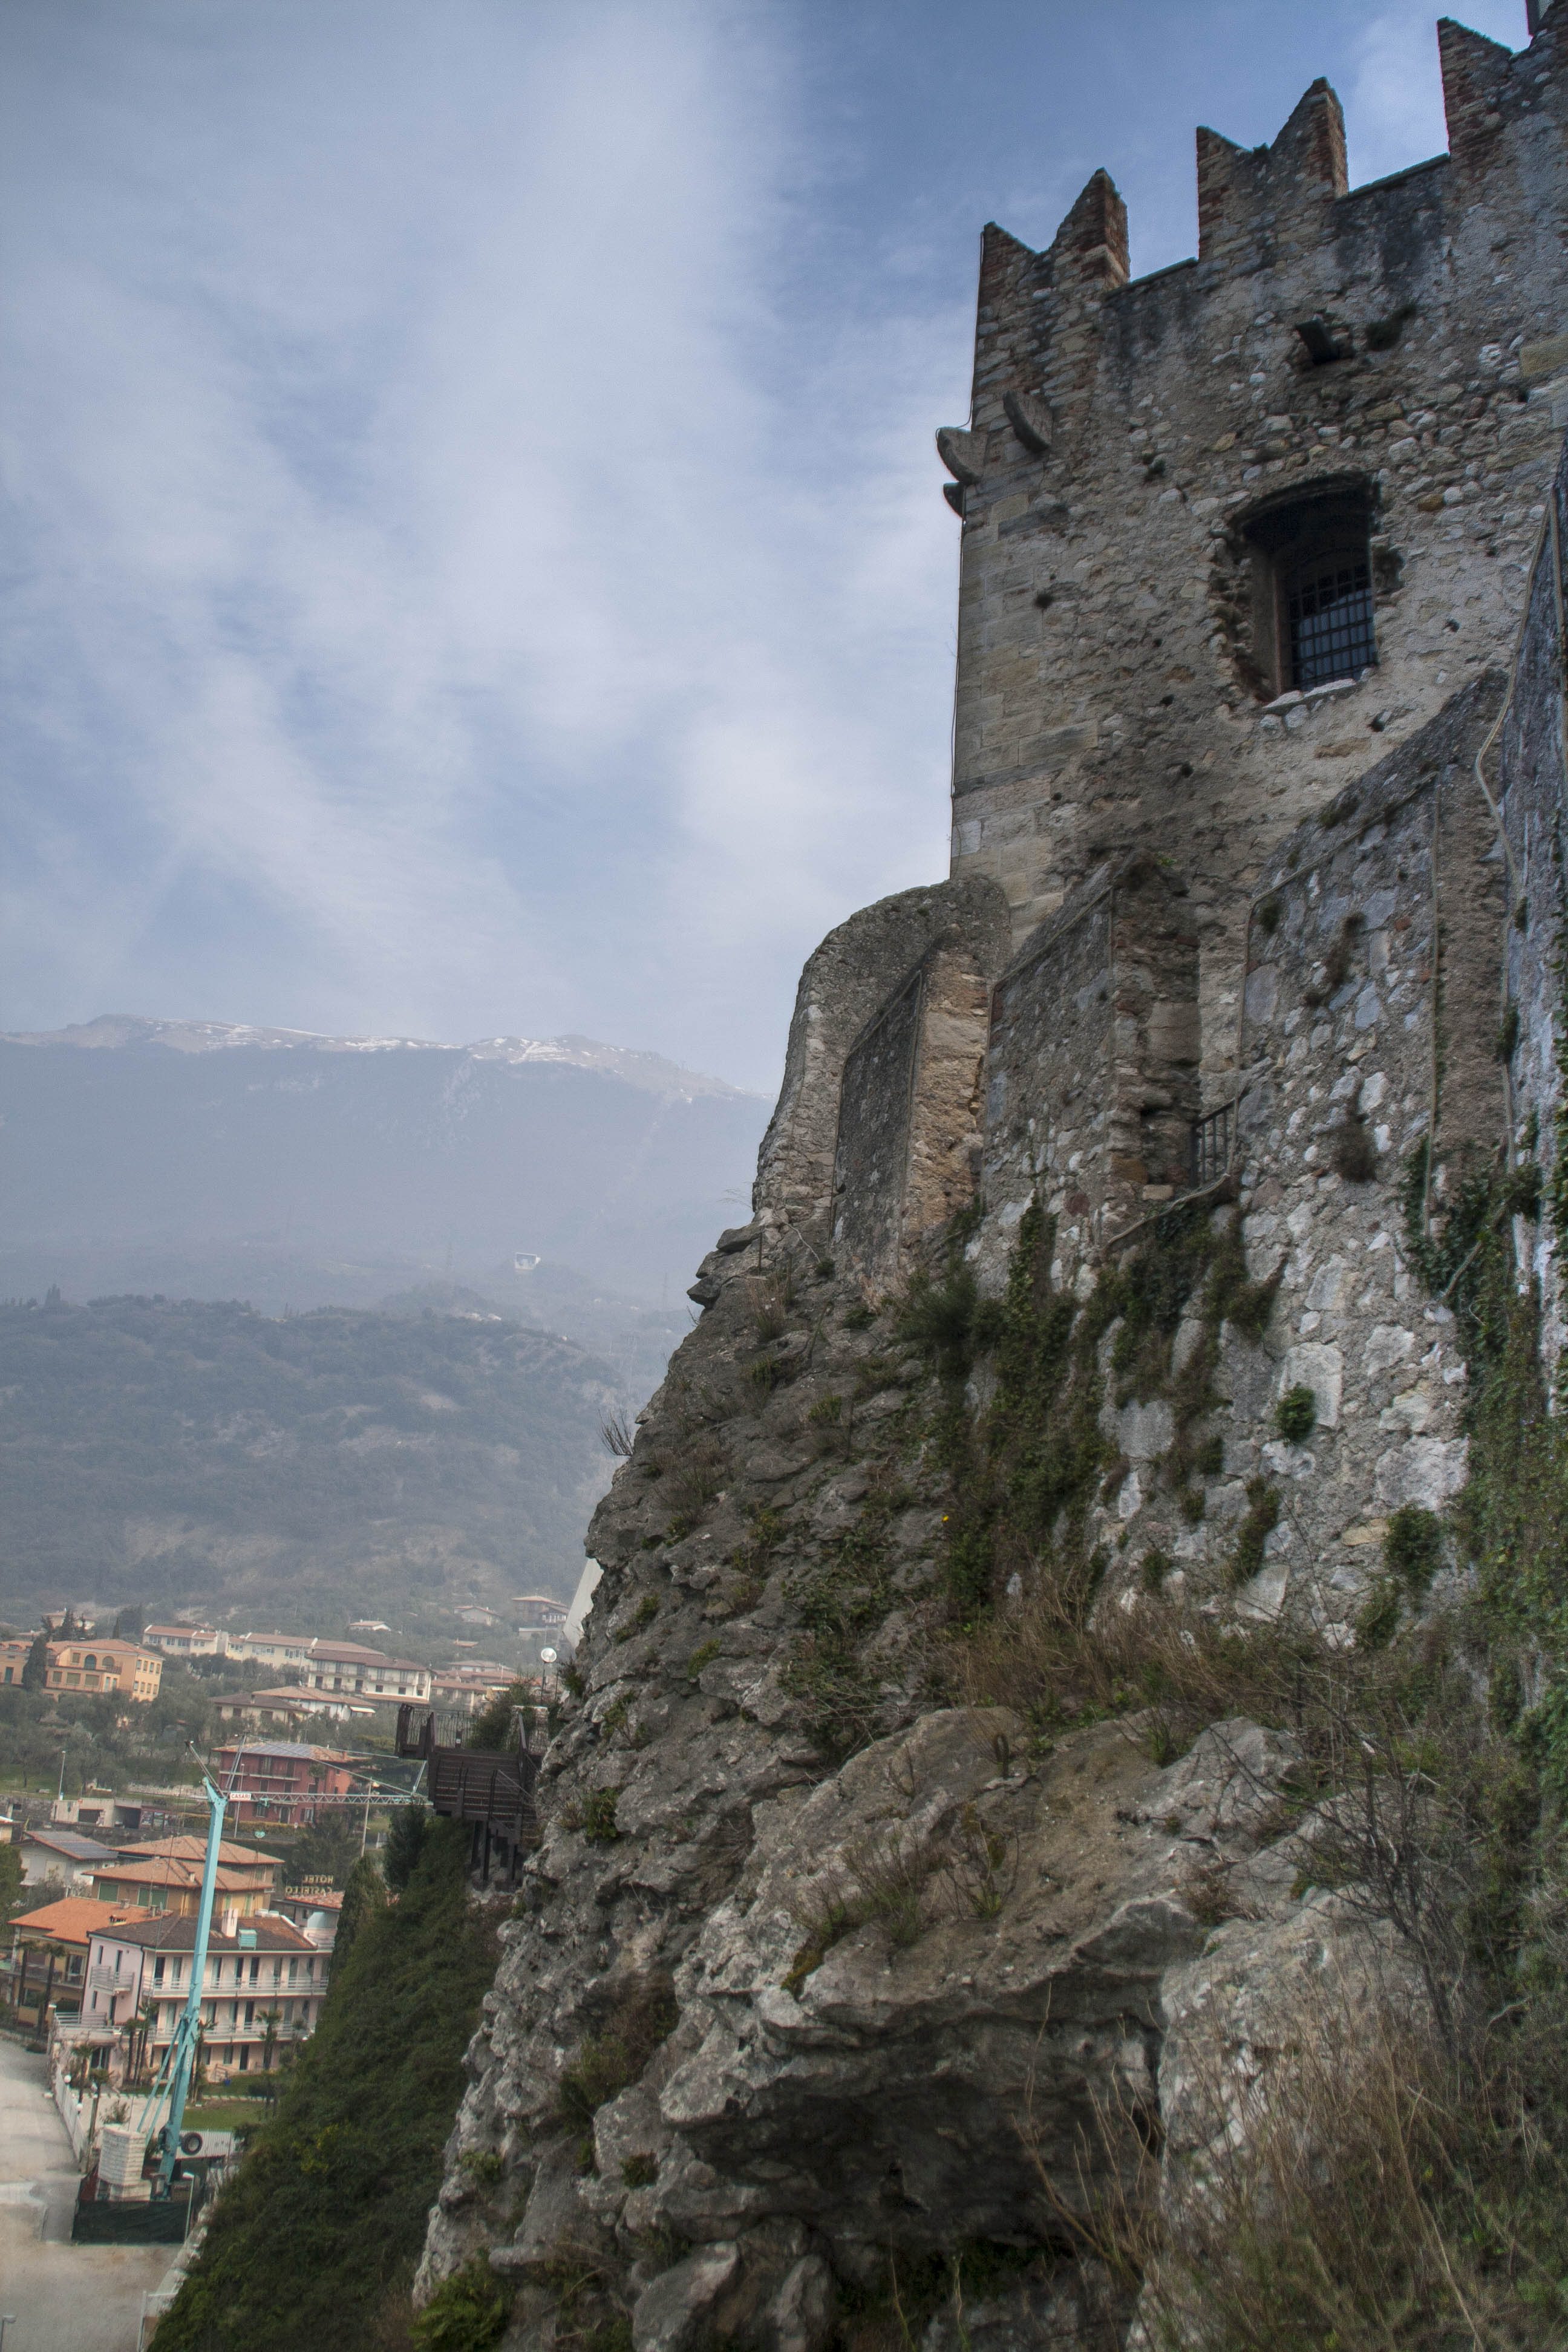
[(130, 1623), (364, 1894), (36, 1667), (141, 2035), (491, 1728), (271, 2019), (327, 1848), (405, 1844), (10, 1882)]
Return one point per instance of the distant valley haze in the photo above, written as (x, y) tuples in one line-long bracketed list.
[(315, 1327), (204, 1160)]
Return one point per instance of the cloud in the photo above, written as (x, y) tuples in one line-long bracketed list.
[(426, 524), (475, 559)]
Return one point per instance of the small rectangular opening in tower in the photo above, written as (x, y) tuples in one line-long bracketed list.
[(1313, 607)]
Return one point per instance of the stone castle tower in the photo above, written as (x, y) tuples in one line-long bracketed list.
[(1249, 964), (1258, 765), (1233, 532)]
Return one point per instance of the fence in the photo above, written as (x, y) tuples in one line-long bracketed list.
[(134, 2221), (494, 1791)]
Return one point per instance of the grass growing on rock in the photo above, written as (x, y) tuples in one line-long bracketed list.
[(1023, 1475)]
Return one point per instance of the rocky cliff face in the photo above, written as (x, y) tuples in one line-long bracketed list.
[(774, 2030), (939, 1842)]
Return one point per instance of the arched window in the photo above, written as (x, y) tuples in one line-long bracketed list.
[(90, 1659), (1312, 588)]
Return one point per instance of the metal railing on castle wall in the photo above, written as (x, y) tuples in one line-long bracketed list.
[(1213, 1143)]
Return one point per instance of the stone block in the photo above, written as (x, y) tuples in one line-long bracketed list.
[(671, 2314)]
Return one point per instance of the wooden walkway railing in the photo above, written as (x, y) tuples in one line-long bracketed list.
[(494, 1791)]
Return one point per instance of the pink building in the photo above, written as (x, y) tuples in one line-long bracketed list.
[(263, 1990)]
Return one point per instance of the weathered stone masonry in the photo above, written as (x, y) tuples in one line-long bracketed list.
[(1130, 440)]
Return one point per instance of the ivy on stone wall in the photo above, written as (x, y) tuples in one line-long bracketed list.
[(1023, 1474)]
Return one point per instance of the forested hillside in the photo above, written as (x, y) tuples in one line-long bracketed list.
[(195, 1455)]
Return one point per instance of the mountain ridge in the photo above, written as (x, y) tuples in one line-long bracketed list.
[(651, 1073), (139, 1153)]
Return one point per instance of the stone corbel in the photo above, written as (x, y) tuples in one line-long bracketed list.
[(1030, 420), (961, 453)]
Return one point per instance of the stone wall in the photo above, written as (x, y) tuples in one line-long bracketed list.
[(1129, 441), (1530, 781), (1091, 1086), (908, 1149), (844, 987), (1349, 961)]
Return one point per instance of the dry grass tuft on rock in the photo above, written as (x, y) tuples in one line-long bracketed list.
[(1350, 2185)]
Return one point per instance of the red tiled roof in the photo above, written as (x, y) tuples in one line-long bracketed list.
[(194, 1849), (74, 1919), (174, 1873)]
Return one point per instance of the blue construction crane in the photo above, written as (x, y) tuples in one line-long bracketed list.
[(179, 2060)]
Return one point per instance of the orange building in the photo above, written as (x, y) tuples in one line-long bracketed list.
[(47, 1962), (177, 1887), (109, 1665)]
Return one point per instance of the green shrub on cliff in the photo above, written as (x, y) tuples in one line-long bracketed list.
[(315, 2241)]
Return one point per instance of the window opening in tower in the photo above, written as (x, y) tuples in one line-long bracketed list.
[(1328, 615)]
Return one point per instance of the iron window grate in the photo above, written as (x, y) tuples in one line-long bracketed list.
[(1330, 618)]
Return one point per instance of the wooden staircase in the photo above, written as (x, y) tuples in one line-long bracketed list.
[(494, 1791)]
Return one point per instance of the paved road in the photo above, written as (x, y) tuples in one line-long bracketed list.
[(67, 2299)]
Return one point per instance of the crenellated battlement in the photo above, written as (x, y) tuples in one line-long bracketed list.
[(1373, 382)]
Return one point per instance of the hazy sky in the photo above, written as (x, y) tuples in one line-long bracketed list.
[(474, 559)]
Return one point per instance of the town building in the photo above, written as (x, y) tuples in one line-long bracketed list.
[(186, 1641), (538, 1613), (281, 1780), (97, 1811), (322, 1662), (63, 1855), (469, 1684), (274, 1710), (276, 1650), (91, 1665), (289, 1705), (88, 1664), (167, 1884), (345, 1668), (46, 1965), (314, 1908), (264, 1986), (248, 1861)]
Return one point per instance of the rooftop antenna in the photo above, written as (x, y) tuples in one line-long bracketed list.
[(179, 2060)]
